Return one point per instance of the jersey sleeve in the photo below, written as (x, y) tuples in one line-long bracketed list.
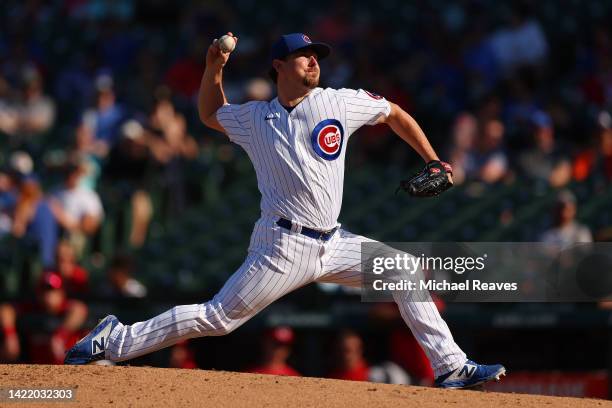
[(363, 107), (237, 121)]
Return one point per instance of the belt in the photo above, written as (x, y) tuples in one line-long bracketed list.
[(309, 232)]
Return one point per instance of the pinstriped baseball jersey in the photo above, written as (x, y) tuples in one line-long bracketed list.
[(299, 155)]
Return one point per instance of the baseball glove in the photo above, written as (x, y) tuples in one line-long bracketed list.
[(430, 181)]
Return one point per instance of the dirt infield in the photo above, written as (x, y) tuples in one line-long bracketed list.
[(155, 387)]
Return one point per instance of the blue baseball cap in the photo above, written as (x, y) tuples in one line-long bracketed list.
[(289, 43)]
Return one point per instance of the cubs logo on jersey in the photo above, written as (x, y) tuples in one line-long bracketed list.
[(327, 139)]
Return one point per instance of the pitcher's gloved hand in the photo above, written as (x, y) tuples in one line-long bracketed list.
[(435, 178)]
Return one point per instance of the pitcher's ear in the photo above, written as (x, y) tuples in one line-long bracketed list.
[(276, 64)]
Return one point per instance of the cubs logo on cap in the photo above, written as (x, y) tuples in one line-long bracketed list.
[(306, 38), (327, 139)]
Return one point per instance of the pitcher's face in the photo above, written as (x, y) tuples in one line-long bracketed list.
[(302, 67)]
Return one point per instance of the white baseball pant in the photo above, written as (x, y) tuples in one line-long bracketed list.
[(278, 262)]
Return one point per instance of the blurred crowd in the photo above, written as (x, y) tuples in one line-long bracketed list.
[(345, 357), (41, 326), (98, 109)]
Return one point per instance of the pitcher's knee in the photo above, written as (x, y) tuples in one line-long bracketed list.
[(226, 327), (219, 319)]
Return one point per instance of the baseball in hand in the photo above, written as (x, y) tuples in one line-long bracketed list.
[(227, 43)]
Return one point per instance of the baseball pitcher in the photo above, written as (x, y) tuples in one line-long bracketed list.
[(297, 143)]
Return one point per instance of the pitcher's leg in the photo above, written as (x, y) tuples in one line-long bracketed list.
[(343, 266), (432, 333), (258, 282)]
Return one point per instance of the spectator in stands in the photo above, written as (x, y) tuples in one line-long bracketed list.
[(545, 161), (86, 150), (106, 118), (479, 60), (8, 112), (349, 362), (34, 220), (78, 210), (596, 64), (59, 318), (129, 170), (10, 346), (184, 76), (74, 276), (488, 161), (566, 229), (596, 162), (172, 147), (8, 200), (121, 281), (404, 349), (36, 110), (276, 349), (182, 356), (521, 43), (465, 131)]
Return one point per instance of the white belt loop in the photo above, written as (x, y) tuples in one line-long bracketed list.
[(295, 227)]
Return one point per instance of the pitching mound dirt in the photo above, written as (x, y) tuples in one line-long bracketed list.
[(156, 387)]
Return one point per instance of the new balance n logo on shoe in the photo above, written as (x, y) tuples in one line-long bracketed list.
[(471, 375), (98, 343), (98, 347), (467, 370)]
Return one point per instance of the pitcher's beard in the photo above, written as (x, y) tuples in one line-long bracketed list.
[(310, 82)]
